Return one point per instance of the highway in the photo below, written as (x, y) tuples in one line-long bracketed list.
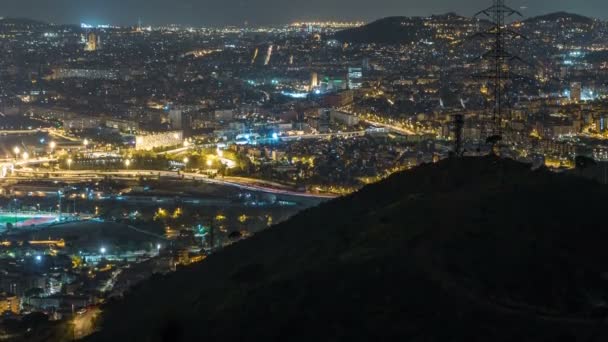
[(323, 136), (238, 182), (50, 131)]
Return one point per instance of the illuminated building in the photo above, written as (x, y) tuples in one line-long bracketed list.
[(343, 118), (183, 257), (600, 153), (123, 125), (9, 303), (354, 78), (224, 114), (324, 118), (255, 55), (268, 55), (92, 43), (152, 141), (314, 80), (602, 124), (81, 123), (575, 92), (91, 74)]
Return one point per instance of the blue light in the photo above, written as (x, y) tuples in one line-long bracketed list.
[(38, 258), (275, 136), (295, 95)]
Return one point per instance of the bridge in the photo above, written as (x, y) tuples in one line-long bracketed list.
[(9, 167)]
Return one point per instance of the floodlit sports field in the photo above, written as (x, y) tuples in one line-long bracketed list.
[(25, 219)]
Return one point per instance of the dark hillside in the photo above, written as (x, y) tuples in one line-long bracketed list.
[(478, 249)]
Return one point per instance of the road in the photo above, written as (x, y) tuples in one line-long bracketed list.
[(323, 136), (147, 233), (51, 131), (239, 182), (393, 128)]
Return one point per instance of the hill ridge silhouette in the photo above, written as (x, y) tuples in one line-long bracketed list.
[(472, 249)]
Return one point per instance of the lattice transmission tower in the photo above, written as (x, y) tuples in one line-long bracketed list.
[(499, 58)]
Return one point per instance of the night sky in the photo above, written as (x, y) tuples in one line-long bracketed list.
[(237, 12)]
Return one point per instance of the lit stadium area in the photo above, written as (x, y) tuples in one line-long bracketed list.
[(26, 219)]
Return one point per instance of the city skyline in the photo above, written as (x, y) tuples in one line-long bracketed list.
[(262, 12)]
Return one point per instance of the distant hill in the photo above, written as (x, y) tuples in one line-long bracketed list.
[(396, 30), (478, 249), (404, 30), (21, 22), (387, 31), (562, 17)]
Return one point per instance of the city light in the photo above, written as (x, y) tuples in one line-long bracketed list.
[(230, 128)]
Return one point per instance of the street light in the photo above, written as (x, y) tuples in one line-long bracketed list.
[(17, 150), (52, 145), (69, 163), (26, 156), (85, 142), (102, 250), (127, 163), (209, 162)]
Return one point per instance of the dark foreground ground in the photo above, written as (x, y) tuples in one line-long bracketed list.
[(478, 249)]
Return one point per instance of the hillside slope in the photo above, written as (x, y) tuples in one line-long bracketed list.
[(478, 249)]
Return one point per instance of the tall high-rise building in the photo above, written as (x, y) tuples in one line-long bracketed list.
[(324, 119), (268, 55), (91, 42), (365, 63), (314, 80), (575, 92), (176, 118), (355, 76)]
